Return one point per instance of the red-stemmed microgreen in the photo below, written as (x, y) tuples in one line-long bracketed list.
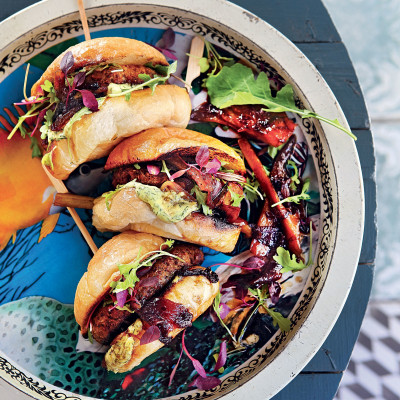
[(121, 297), (222, 356), (39, 120), (167, 41), (178, 174), (196, 363), (88, 98), (171, 377), (150, 335), (207, 383), (217, 309), (277, 318)]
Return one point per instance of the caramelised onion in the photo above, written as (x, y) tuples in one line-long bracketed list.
[(231, 177)]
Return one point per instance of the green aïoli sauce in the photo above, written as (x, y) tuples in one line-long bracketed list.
[(168, 206)]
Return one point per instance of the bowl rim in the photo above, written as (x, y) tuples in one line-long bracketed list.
[(346, 165)]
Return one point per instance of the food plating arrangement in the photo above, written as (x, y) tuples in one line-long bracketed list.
[(203, 196)]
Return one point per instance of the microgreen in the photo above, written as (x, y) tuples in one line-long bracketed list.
[(153, 169), (295, 177), (165, 169), (148, 81), (273, 151), (150, 335), (90, 335), (128, 272), (289, 261), (237, 85), (250, 188), (214, 61), (36, 152), (175, 368), (201, 198), (297, 198), (67, 62), (236, 198), (277, 317), (221, 357), (218, 308)]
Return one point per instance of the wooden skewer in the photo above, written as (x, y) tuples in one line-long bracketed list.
[(73, 200), (82, 14), (193, 67), (61, 188)]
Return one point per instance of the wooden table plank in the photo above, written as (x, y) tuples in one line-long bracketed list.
[(310, 386), (333, 62), (302, 22), (335, 353)]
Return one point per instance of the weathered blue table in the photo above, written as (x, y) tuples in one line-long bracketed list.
[(308, 25)]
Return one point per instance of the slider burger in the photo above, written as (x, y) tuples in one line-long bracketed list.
[(174, 183), (139, 292), (99, 92)]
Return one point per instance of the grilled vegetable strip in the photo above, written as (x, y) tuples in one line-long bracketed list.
[(289, 222)]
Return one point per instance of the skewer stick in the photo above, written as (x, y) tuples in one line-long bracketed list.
[(61, 188), (74, 200), (193, 67), (82, 14)]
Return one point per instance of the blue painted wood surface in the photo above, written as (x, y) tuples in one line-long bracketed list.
[(308, 25)]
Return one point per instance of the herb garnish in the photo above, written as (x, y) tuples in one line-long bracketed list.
[(114, 90), (298, 197), (217, 308), (277, 317), (289, 261)]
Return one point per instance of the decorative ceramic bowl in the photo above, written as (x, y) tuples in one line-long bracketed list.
[(39, 271)]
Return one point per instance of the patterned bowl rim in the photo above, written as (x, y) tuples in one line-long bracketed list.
[(343, 166)]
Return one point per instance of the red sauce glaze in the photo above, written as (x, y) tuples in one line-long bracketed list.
[(167, 315), (271, 128)]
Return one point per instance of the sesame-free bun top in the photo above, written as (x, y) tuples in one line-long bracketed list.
[(117, 50), (159, 143), (103, 269)]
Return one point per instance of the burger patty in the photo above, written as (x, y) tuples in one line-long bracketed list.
[(108, 322), (165, 269), (97, 82), (123, 175)]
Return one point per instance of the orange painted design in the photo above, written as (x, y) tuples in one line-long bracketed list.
[(25, 190)]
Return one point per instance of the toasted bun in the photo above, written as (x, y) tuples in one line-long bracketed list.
[(96, 134), (196, 293), (159, 143), (103, 269), (128, 212), (106, 50)]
